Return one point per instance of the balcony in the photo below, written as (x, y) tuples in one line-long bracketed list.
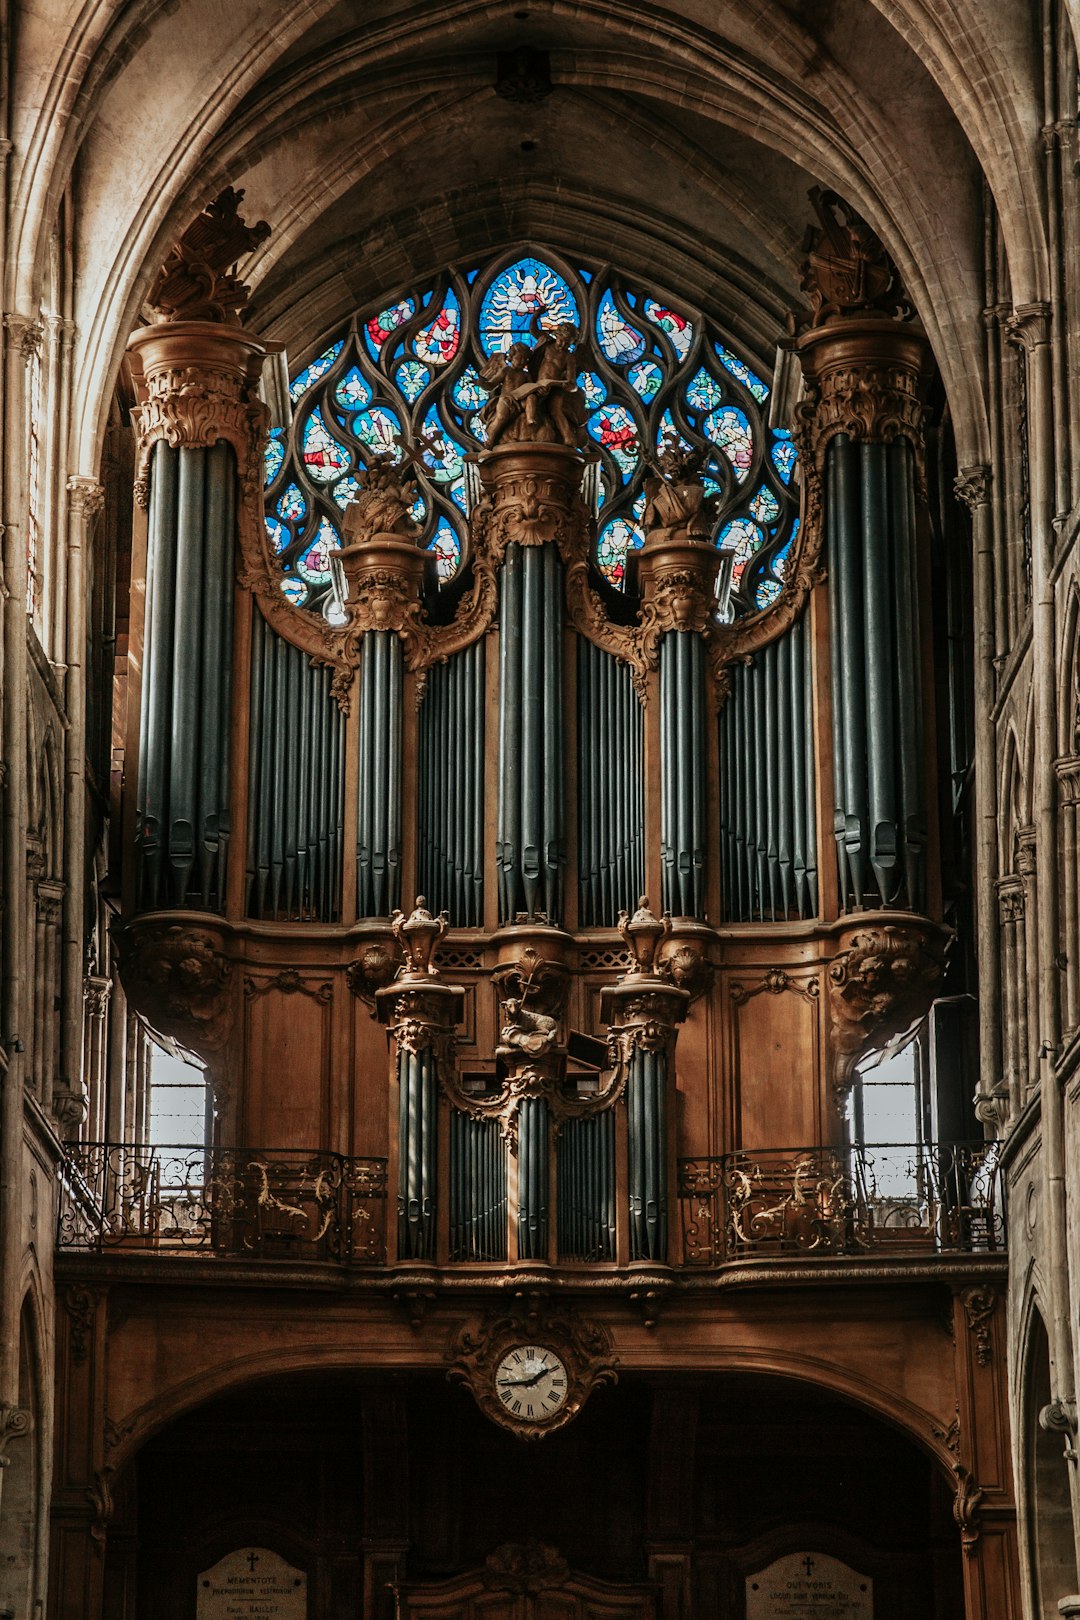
[(802, 1204)]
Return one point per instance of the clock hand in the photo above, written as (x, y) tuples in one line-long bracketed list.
[(522, 1383)]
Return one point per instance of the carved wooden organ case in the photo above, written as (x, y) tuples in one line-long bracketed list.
[(539, 1059)]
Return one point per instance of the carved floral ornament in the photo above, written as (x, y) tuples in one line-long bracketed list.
[(178, 978), (880, 989)]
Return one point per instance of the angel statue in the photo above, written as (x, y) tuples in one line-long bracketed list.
[(383, 503), (534, 394), (676, 506)]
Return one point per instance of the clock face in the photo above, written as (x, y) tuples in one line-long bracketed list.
[(530, 1382)]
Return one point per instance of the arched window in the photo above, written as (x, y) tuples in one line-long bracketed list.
[(411, 370)]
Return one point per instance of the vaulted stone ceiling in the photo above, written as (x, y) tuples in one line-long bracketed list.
[(678, 141)]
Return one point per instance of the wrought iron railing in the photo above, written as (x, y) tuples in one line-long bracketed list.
[(245, 1202), (943, 1198)]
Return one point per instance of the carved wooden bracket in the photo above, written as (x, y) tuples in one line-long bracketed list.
[(880, 988), (176, 975)]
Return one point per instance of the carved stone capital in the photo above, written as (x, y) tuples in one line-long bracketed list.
[(972, 486), (992, 1107), (96, 992), (86, 497), (880, 989), (176, 975), (1027, 853), (1029, 325), (70, 1106), (1010, 892), (25, 332), (1068, 775)]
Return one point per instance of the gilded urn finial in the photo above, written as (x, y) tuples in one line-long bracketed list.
[(644, 933), (418, 935)]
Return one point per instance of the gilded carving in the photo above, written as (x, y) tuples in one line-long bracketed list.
[(585, 1348), (847, 270), (177, 977), (534, 394), (372, 970), (644, 1007), (291, 982), (419, 1008), (774, 982), (880, 989)]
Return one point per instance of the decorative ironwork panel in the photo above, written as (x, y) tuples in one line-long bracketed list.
[(240, 1202)]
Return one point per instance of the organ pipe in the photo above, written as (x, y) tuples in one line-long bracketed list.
[(182, 805), (529, 836), (768, 835), (451, 787), (682, 767), (611, 802), (296, 784), (378, 855)]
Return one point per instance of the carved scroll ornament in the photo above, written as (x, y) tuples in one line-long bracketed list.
[(177, 977), (196, 282)]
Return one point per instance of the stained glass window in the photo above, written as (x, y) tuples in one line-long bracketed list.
[(407, 373)]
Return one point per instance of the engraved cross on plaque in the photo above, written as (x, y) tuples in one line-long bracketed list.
[(808, 1564), (252, 1560)]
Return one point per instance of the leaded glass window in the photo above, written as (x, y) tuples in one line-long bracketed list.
[(407, 373)]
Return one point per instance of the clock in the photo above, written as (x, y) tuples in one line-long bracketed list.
[(531, 1383)]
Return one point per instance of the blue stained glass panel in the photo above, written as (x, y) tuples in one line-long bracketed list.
[(381, 326), (668, 431), (740, 369), (467, 392), (437, 343), (616, 538), (274, 456), (314, 565), (704, 392), (744, 538), (294, 590), (345, 490), (311, 374), (353, 391), (441, 453), (324, 458), (446, 545), (614, 428), (592, 387), (767, 592), (765, 506), (729, 430), (620, 342), (379, 429), (525, 288), (291, 505), (677, 327), (646, 377), (783, 453), (412, 378), (279, 534)]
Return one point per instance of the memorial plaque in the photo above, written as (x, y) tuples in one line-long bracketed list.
[(252, 1583), (809, 1586)]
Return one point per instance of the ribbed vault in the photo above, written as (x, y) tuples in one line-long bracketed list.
[(678, 140)]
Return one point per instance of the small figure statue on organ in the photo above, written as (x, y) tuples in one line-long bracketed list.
[(534, 394), (383, 504), (676, 505)]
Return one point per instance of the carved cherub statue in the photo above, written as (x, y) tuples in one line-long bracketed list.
[(676, 506), (382, 504), (535, 397)]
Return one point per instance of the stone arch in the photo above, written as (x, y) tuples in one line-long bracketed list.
[(1050, 1547), (25, 1515), (1069, 676)]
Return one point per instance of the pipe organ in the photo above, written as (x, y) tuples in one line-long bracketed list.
[(535, 1052)]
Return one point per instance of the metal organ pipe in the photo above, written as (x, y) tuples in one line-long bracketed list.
[(378, 851), (768, 826), (530, 843), (450, 788), (182, 810), (296, 789), (611, 804), (682, 797), (877, 690)]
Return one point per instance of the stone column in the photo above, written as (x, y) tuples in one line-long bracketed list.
[(643, 1011), (1068, 775)]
